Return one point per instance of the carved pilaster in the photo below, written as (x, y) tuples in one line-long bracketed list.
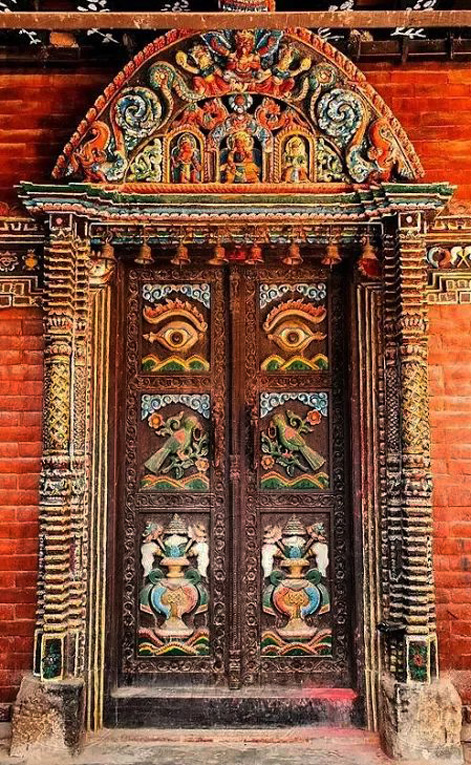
[(61, 585), (410, 622), (101, 274), (418, 596), (391, 522), (79, 451)]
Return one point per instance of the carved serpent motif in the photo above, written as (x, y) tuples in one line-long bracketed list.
[(165, 77)]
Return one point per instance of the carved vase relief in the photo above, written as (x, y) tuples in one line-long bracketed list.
[(175, 331), (173, 600), (294, 335), (179, 443), (295, 558), (293, 441)]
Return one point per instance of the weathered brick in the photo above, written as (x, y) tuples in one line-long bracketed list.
[(20, 449), (450, 414)]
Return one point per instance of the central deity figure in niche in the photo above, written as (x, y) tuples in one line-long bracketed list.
[(240, 165)]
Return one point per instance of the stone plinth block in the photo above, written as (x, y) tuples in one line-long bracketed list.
[(47, 717), (421, 721)]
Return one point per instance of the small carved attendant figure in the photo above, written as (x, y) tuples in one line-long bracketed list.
[(185, 160), (240, 166), (283, 74), (295, 161), (208, 79)]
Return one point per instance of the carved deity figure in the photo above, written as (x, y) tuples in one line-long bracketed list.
[(295, 161), (240, 165), (245, 61), (185, 160), (281, 77), (208, 77)]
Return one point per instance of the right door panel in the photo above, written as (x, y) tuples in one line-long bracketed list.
[(294, 508)]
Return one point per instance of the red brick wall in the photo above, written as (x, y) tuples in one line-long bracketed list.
[(38, 114), (450, 411), (431, 100), (20, 450)]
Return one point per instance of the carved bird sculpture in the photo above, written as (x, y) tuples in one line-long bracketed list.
[(292, 440), (179, 441)]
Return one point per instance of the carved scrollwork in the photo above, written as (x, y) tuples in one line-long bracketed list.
[(299, 80)]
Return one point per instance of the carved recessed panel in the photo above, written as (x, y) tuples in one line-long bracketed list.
[(174, 592), (293, 335), (175, 439), (294, 441), (296, 597), (175, 328)]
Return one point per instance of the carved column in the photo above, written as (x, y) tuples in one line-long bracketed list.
[(411, 685), (60, 633), (55, 653)]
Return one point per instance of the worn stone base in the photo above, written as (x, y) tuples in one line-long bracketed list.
[(421, 721), (47, 718)]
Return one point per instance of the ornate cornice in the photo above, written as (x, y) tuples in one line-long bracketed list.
[(21, 255), (321, 204), (313, 214)]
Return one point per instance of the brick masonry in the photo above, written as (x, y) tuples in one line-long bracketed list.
[(450, 411), (20, 450)]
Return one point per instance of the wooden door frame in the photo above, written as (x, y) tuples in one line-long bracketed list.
[(70, 636), (239, 432)]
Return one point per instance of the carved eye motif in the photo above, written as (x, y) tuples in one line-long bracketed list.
[(177, 336), (290, 325), (294, 337), (178, 325)]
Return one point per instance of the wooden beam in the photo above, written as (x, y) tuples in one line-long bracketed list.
[(51, 20)]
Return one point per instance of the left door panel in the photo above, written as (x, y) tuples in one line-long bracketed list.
[(172, 521)]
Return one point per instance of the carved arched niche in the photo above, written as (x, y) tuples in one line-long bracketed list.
[(230, 107)]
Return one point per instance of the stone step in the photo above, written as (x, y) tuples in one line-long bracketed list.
[(151, 706)]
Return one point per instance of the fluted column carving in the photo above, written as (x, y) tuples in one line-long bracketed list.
[(61, 601)]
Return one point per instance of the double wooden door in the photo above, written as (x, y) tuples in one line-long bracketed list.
[(233, 552)]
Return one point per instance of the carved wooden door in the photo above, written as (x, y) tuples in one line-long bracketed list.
[(232, 549)]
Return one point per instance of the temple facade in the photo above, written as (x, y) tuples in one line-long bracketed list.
[(235, 433)]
